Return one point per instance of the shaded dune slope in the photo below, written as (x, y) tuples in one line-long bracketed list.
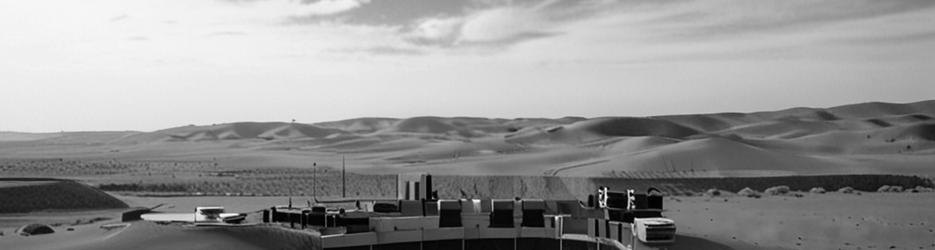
[(37, 194), (148, 235)]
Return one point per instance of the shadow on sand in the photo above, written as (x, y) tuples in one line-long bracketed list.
[(689, 242)]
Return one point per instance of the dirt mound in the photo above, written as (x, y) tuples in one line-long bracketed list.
[(52, 194)]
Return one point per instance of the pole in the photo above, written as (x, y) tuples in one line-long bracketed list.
[(314, 181), (343, 179)]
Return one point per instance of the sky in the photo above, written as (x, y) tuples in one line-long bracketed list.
[(152, 64)]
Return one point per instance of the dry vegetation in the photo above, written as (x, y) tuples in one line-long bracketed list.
[(161, 178)]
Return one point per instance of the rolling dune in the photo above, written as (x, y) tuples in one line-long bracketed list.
[(868, 137)]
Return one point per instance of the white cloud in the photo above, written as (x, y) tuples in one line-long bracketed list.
[(502, 23), (437, 29), (327, 7)]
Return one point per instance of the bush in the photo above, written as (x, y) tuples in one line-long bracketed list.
[(922, 189), (890, 189), (713, 192), (817, 190), (777, 190), (747, 192), (846, 190)]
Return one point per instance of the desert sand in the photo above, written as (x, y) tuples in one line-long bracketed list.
[(252, 165), (860, 138)]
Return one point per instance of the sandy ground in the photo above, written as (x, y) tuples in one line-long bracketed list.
[(815, 221)]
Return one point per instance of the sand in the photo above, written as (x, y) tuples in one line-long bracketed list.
[(815, 221), (850, 139), (865, 138)]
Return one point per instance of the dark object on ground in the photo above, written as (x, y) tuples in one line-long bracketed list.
[(34, 229), (134, 214), (777, 190), (889, 189), (748, 192), (713, 192)]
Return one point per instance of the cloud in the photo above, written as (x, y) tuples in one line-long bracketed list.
[(712, 19), (503, 24), (383, 50), (226, 33), (896, 39), (286, 9), (435, 31), (329, 7)]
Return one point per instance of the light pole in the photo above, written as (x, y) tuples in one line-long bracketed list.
[(314, 181), (343, 179)]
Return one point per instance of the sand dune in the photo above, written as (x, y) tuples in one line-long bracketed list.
[(235, 131), (19, 195), (360, 125), (875, 135), (8, 136)]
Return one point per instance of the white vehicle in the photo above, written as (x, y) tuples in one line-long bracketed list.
[(642, 210), (654, 230)]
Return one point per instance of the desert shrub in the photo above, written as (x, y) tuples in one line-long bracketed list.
[(922, 189), (713, 192), (748, 192), (846, 190), (777, 190), (890, 189), (817, 190)]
